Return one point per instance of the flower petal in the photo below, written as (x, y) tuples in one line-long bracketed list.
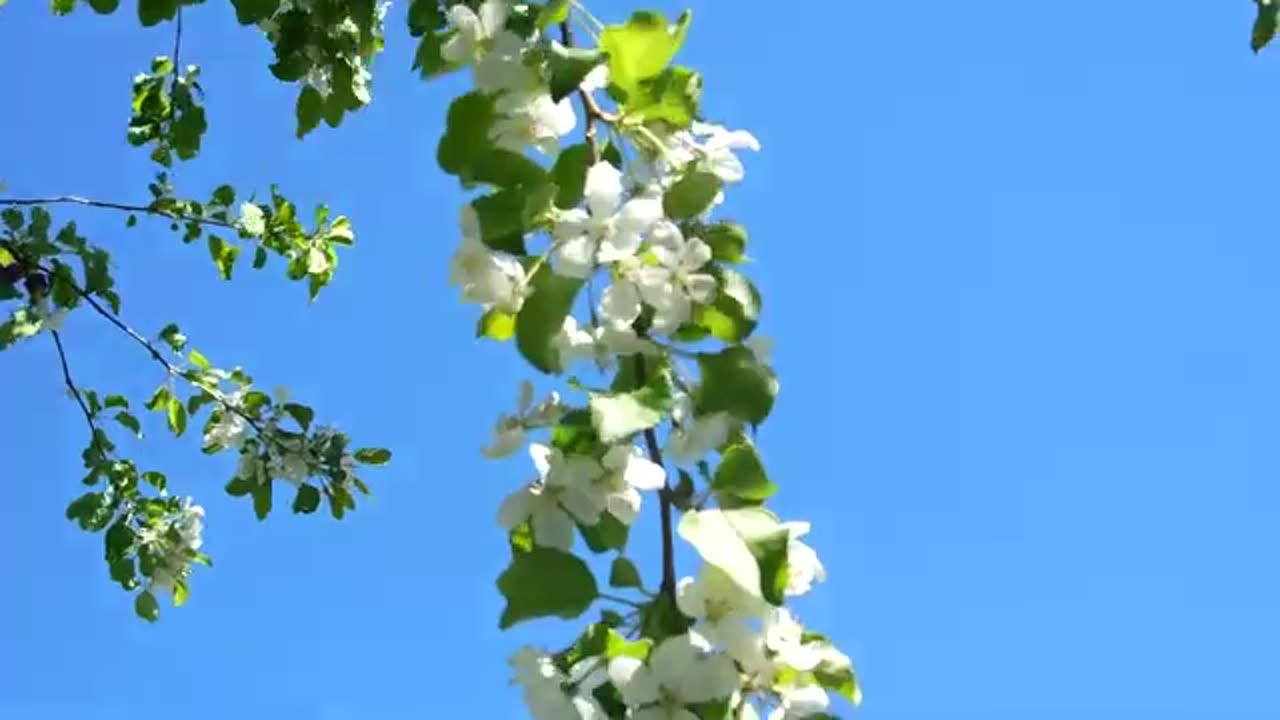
[(575, 257), (552, 527), (603, 189), (634, 680), (624, 505), (643, 474), (514, 509)]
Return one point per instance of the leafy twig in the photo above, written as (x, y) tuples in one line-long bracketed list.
[(145, 209), (71, 385)]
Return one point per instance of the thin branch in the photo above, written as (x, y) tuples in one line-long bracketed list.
[(159, 357), (177, 44), (144, 209), (620, 600), (590, 107), (71, 386)]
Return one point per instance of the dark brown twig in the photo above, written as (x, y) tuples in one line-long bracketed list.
[(144, 209)]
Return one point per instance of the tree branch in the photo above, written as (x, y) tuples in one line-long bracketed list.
[(595, 115), (71, 386), (144, 209)]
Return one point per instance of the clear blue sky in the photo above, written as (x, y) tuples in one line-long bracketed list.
[(1020, 262)]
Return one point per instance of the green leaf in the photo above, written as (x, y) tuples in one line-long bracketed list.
[(261, 499), (307, 500), (555, 11), (146, 607), (542, 317), (12, 218), (424, 16), (373, 456), (608, 534), (672, 97), (156, 480), (621, 415), (641, 48), (570, 175), (501, 217), (62, 7), (466, 135), (130, 422), (123, 571), (506, 169), (623, 574), (734, 381), (733, 314), (199, 360), (259, 258), (250, 12), (770, 551), (545, 583), (691, 195), (114, 401), (224, 255), (310, 109), (742, 475), (103, 7), (180, 593), (841, 681), (300, 413), (240, 486), (497, 325), (174, 338), (160, 398), (728, 241), (151, 12), (661, 619), (177, 416), (568, 67), (1264, 26)]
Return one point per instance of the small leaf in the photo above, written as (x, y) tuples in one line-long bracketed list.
[(542, 318), (734, 381), (146, 607), (568, 67), (114, 401), (497, 325), (173, 338), (130, 422), (841, 681), (555, 11), (545, 583), (608, 534), (728, 241), (570, 175), (224, 255), (199, 360), (623, 574), (373, 456), (259, 258), (177, 416), (691, 195), (160, 398), (261, 499), (310, 109), (742, 475), (300, 413), (307, 500), (1264, 26), (501, 216), (180, 593), (641, 48), (156, 480)]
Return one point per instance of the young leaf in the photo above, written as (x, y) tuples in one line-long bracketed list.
[(307, 500), (146, 607), (545, 583), (691, 195), (542, 318), (741, 475), (177, 416), (623, 574), (373, 456), (734, 381)]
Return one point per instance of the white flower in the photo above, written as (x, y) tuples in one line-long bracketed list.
[(680, 672), (800, 701), (784, 637), (291, 468), (508, 432), (544, 693), (472, 31), (696, 435), (675, 284), (597, 79), (761, 346), (722, 608), (252, 220), (803, 566), (531, 119), (486, 278), (626, 473), (50, 319), (503, 68), (620, 303), (574, 343), (608, 230), (231, 429), (561, 496), (717, 151)]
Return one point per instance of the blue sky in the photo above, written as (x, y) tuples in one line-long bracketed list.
[(1020, 265)]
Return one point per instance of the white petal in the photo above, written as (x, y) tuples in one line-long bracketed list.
[(638, 215), (710, 678), (583, 505), (597, 79), (507, 439), (805, 700), (644, 474), (552, 527), (689, 598), (624, 505), (618, 246), (575, 257), (542, 455), (634, 680), (524, 400), (469, 219), (674, 658), (701, 287), (603, 189), (493, 16), (620, 303), (696, 254), (514, 509), (726, 166)]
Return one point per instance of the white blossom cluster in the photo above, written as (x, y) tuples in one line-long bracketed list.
[(742, 649), (173, 541)]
